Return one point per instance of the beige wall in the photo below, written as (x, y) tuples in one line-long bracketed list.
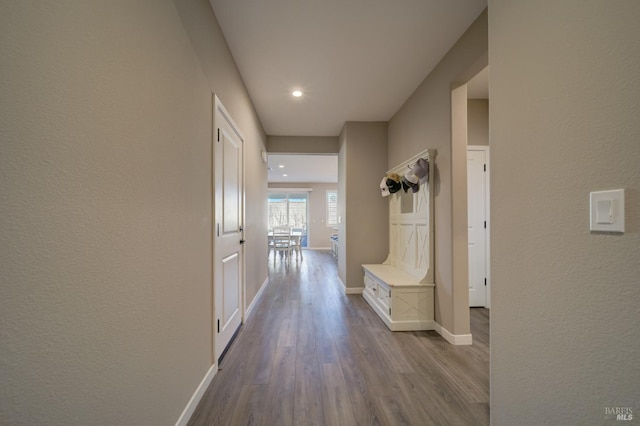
[(460, 323), (342, 204), (106, 207), (364, 232), (318, 232), (478, 121), (424, 121), (224, 79), (565, 85), (303, 144)]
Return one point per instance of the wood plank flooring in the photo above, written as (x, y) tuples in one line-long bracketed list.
[(311, 355)]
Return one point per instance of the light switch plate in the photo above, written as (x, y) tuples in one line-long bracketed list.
[(604, 212), (607, 210)]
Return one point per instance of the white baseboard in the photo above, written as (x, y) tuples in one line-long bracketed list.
[(206, 381), (197, 396), (350, 290), (255, 299), (454, 339)]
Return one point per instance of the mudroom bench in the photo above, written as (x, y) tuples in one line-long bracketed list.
[(401, 289)]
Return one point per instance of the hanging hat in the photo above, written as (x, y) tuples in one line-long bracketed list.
[(421, 169), (384, 188), (410, 180), (411, 177), (394, 186), (394, 176), (415, 187), (393, 182)]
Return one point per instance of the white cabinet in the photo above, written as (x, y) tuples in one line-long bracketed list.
[(398, 298)]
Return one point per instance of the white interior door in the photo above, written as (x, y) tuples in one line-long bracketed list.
[(228, 266), (477, 202)]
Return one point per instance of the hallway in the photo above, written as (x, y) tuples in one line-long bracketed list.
[(309, 354)]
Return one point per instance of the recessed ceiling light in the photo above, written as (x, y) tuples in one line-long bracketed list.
[(285, 175), (297, 93), (281, 166)]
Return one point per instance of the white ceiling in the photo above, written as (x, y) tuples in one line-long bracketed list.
[(355, 60), (302, 168)]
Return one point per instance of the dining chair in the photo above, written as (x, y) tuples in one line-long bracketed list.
[(296, 241), (281, 241)]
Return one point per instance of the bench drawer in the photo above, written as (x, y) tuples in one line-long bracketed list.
[(405, 306)]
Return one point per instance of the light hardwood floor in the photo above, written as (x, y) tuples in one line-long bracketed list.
[(311, 355)]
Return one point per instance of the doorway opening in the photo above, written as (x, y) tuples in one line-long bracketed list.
[(465, 130), (478, 189), (303, 196)]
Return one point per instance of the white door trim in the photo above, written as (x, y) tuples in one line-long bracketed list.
[(487, 213)]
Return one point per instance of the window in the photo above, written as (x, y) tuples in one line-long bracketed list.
[(332, 208), (278, 210), (289, 209)]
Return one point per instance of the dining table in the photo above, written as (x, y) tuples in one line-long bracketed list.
[(296, 239)]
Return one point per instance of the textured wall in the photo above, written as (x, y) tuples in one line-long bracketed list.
[(565, 90), (224, 80), (424, 121), (478, 121), (342, 204), (105, 189), (364, 237)]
